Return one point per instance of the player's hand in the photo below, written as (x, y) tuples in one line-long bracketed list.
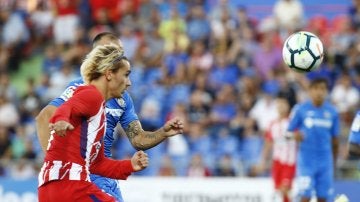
[(60, 127), (173, 127), (260, 168), (298, 136), (139, 161)]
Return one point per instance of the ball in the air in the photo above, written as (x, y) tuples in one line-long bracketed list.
[(303, 51)]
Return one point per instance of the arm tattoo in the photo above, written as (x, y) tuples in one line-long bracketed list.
[(133, 129), (141, 139)]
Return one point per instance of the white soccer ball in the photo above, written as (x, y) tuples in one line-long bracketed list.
[(303, 51)]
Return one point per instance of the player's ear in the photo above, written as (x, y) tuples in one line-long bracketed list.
[(108, 74)]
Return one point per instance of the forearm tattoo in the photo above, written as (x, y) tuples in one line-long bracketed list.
[(133, 129), (141, 139)]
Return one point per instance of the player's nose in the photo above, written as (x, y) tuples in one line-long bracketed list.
[(128, 83)]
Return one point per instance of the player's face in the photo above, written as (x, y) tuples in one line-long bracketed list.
[(282, 107), (318, 93), (120, 80)]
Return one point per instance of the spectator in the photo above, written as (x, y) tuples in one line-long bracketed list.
[(200, 59), (264, 103), (268, 57), (172, 30), (42, 20), (345, 97), (167, 167), (66, 21), (52, 61), (7, 88), (5, 143), (129, 39), (9, 114), (198, 28), (22, 169), (60, 79), (289, 14), (197, 168), (225, 167)]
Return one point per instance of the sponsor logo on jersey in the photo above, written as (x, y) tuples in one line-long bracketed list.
[(114, 112), (69, 91), (311, 122)]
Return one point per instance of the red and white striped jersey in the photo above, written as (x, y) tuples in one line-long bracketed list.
[(81, 152), (284, 149)]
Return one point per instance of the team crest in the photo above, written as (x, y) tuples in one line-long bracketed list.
[(121, 102), (327, 115)]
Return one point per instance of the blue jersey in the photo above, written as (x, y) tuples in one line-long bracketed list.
[(354, 136), (318, 125)]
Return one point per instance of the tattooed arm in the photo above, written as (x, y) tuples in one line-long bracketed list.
[(142, 140)]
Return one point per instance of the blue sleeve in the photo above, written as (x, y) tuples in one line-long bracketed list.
[(354, 136), (295, 119), (67, 94), (129, 114), (335, 130)]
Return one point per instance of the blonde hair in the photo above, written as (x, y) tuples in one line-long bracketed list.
[(100, 59)]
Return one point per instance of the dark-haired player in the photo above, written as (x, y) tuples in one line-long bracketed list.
[(315, 125)]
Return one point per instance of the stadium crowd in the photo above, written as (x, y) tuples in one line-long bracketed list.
[(208, 62)]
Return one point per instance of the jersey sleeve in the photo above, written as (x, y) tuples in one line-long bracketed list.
[(335, 129), (67, 94), (354, 136), (115, 169), (85, 102), (295, 119), (129, 114)]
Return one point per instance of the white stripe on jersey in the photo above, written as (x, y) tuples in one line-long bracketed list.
[(42, 174), (284, 150), (75, 171), (54, 170), (94, 125)]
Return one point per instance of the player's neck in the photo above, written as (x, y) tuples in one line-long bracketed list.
[(317, 104), (101, 87)]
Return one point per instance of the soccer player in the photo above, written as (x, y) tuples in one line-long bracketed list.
[(283, 151), (77, 128), (354, 137), (118, 110), (315, 125)]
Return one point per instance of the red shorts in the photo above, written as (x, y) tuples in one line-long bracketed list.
[(282, 174), (66, 190)]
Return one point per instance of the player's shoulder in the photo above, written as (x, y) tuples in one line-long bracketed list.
[(329, 106), (71, 88), (300, 106), (90, 91), (126, 96), (77, 82), (125, 99)]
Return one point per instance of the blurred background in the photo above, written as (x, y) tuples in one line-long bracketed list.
[(217, 64)]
